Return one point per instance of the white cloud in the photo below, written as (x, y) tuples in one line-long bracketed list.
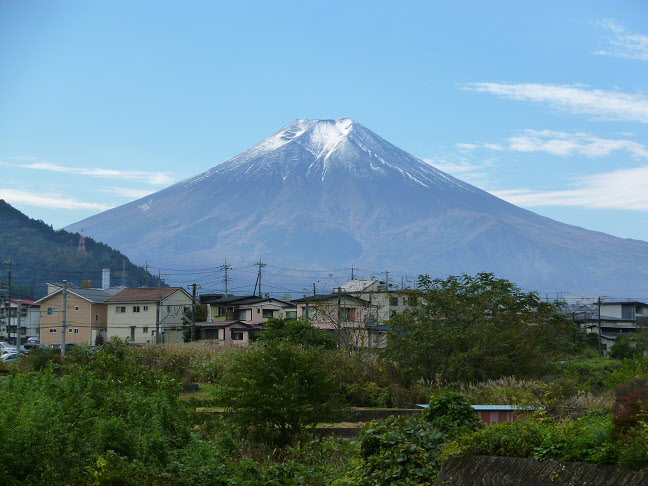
[(457, 167), (563, 143), (620, 189), (153, 178), (623, 43), (576, 99), (126, 192), (57, 201)]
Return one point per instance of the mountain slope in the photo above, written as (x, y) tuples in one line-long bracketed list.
[(42, 254), (327, 193)]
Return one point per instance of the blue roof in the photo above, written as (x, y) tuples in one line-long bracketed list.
[(494, 407)]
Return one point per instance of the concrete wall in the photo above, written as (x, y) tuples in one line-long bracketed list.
[(515, 471)]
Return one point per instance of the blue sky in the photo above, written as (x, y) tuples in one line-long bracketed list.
[(542, 103)]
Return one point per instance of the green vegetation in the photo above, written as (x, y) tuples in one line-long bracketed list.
[(42, 254), (296, 331), (476, 328), (116, 415)]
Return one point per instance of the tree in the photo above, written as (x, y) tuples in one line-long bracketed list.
[(623, 349), (201, 316), (296, 331), (277, 390), (475, 328)]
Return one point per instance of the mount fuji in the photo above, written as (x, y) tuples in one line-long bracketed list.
[(327, 193)]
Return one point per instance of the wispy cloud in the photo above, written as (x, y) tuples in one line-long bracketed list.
[(574, 98), (54, 201), (563, 144), (463, 167), (623, 43), (149, 177), (126, 192), (620, 189)]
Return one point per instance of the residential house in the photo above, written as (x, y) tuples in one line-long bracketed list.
[(134, 314), (383, 305), (29, 320), (341, 314), (86, 314), (228, 332), (247, 309), (614, 320)]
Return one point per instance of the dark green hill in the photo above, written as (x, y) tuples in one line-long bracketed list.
[(42, 254)]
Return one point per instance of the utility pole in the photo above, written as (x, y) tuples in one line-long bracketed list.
[(193, 313), (599, 327), (124, 273), (339, 313), (352, 272), (225, 268), (314, 289), (64, 318), (387, 280), (260, 264), (147, 274), (9, 263), (18, 324), (158, 279), (157, 318)]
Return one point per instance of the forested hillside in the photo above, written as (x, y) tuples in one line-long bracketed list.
[(41, 254)]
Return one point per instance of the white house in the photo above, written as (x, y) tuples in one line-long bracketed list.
[(135, 314)]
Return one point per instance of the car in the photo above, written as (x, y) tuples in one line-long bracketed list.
[(27, 347), (33, 339), (9, 357)]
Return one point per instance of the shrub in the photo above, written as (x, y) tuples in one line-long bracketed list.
[(631, 405), (401, 450), (275, 391), (623, 349), (451, 413)]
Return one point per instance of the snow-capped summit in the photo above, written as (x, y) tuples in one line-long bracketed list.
[(325, 193)]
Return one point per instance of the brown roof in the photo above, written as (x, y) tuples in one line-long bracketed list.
[(143, 295)]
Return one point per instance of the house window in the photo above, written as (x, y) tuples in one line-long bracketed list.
[(237, 335), (291, 314), (145, 308), (69, 329), (96, 317), (393, 301), (23, 312), (76, 331), (239, 314), (136, 308), (52, 329), (145, 329), (268, 313), (168, 309), (222, 311), (76, 308), (132, 333), (120, 309), (51, 311), (259, 310)]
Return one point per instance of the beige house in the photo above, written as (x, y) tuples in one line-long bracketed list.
[(228, 332), (86, 314), (134, 314)]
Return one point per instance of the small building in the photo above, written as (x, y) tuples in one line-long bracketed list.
[(384, 303), (228, 332), (29, 320)]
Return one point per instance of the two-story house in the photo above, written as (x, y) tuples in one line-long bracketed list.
[(343, 315), (86, 315), (235, 319), (140, 314)]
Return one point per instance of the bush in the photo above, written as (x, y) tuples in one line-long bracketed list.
[(451, 413), (623, 349), (53, 427), (401, 450), (631, 405), (275, 391), (296, 331)]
